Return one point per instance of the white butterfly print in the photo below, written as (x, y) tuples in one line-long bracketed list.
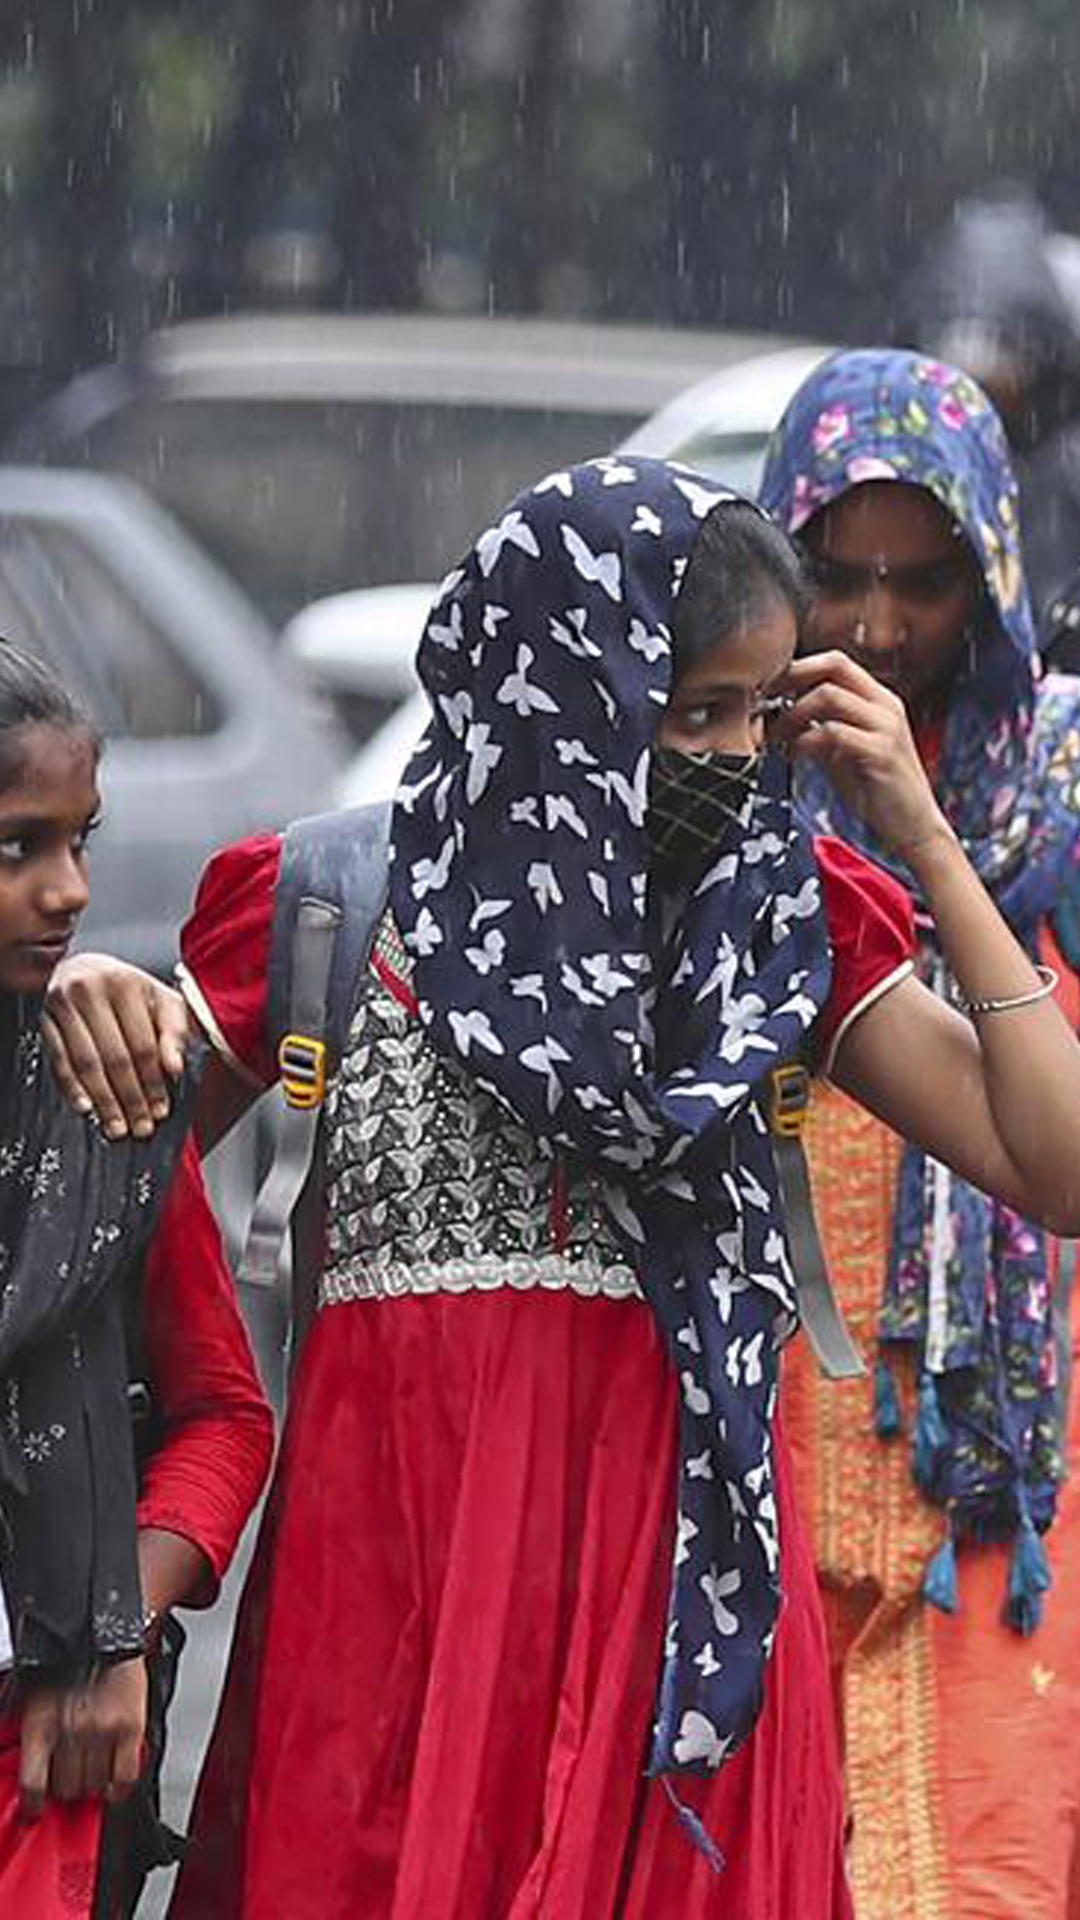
[(427, 933), (431, 876), (457, 710), (446, 586), (483, 756), (655, 646), (697, 1739), (451, 634), (708, 1661), (724, 1286), (699, 1466), (607, 701), (615, 471), (795, 906), (688, 1336), (697, 1398), (574, 753), (526, 811), (608, 979), (685, 1531), (717, 1588), (646, 521), (519, 692), (600, 569), (493, 619), (513, 530), (542, 1058), (486, 910), (473, 1029), (557, 483), (701, 499), (633, 794), (600, 891), (530, 986), (744, 1358), (543, 885), (560, 811), (571, 634), (491, 952)]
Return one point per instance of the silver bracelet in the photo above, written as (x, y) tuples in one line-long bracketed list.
[(1049, 980)]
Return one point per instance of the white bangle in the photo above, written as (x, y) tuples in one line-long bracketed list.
[(1047, 976)]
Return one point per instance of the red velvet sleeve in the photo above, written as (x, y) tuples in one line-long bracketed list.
[(225, 947), (872, 930), (206, 1475)]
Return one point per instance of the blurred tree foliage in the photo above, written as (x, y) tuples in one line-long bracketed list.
[(754, 162)]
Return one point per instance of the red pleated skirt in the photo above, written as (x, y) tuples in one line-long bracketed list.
[(440, 1694)]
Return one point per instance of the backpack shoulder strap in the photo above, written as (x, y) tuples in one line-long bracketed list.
[(837, 1354), (337, 862), (328, 901)]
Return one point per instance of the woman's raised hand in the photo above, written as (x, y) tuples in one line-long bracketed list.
[(116, 1036), (857, 731)]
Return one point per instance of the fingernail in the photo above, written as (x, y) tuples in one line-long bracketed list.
[(116, 1130), (159, 1109), (142, 1129), (81, 1104)]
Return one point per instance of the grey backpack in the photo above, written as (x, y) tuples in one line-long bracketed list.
[(330, 895)]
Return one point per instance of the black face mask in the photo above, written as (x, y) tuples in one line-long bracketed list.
[(696, 803)]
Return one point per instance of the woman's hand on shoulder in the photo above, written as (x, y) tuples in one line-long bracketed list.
[(857, 731), (84, 1741), (115, 1036)]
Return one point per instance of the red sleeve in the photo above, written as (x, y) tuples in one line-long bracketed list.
[(871, 927), (225, 948), (205, 1477)]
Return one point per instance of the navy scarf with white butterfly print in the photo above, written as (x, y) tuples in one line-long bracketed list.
[(520, 884)]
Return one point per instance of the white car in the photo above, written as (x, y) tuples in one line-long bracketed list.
[(721, 424), (359, 648)]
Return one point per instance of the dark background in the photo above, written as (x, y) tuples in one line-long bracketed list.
[(762, 162)]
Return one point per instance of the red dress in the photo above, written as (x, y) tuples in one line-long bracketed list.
[(440, 1694), (202, 1483)]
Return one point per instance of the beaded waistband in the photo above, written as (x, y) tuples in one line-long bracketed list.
[(552, 1272)]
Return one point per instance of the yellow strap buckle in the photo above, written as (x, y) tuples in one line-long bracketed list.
[(302, 1061), (790, 1100)]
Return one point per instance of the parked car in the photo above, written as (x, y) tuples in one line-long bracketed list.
[(209, 733), (360, 648), (314, 453), (722, 424)]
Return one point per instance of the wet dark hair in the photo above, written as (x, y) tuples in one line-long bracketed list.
[(32, 696), (741, 564)]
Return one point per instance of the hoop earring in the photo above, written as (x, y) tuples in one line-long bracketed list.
[(859, 635)]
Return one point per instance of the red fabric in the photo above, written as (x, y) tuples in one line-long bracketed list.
[(226, 942), (871, 927), (218, 1431), (48, 1869), (441, 1688), (430, 1714)]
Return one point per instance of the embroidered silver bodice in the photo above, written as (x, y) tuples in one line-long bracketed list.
[(432, 1186)]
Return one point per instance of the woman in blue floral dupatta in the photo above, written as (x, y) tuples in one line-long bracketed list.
[(931, 1484), (531, 1632)]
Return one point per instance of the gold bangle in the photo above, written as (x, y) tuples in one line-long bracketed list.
[(1048, 978)]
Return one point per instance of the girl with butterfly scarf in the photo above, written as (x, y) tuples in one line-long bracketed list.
[(93, 1555), (531, 1629), (929, 1484)]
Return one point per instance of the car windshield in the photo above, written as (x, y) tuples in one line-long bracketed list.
[(304, 498)]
